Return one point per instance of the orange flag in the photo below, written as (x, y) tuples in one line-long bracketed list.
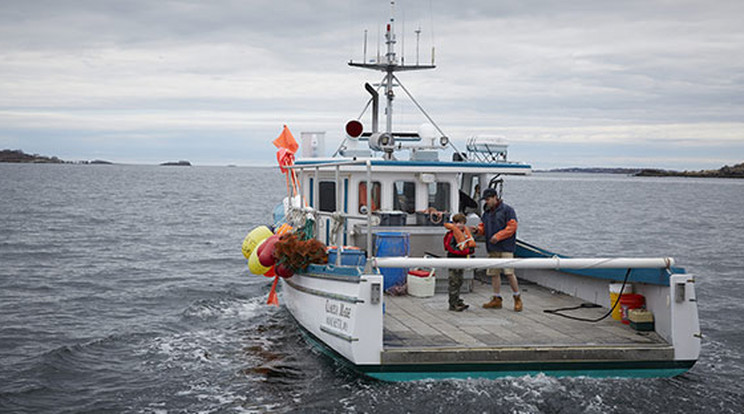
[(286, 140), (273, 299)]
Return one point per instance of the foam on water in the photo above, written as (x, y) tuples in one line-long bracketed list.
[(123, 289), (210, 309)]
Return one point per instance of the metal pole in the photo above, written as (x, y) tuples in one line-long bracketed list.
[(449, 141), (369, 209), (339, 240), (530, 263), (390, 41), (316, 199)]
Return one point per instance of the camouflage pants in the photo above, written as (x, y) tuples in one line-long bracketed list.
[(455, 283)]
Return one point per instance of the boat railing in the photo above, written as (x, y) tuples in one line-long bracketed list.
[(340, 218), (327, 164), (526, 263)]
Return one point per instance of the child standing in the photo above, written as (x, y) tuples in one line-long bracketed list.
[(458, 242)]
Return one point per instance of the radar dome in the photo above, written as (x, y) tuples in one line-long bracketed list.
[(427, 131)]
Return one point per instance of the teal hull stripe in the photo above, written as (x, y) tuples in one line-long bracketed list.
[(603, 373), (599, 369)]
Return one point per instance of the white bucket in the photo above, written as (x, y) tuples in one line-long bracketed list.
[(422, 287), (615, 288)]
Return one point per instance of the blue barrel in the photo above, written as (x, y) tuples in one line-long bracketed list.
[(349, 257), (392, 244)]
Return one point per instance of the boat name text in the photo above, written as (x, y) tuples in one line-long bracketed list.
[(336, 313)]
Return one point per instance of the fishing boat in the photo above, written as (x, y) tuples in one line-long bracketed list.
[(377, 208)]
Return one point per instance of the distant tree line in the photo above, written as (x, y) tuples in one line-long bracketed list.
[(736, 171), (20, 156)]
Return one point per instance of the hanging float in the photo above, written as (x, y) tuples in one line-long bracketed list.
[(254, 238), (281, 254)]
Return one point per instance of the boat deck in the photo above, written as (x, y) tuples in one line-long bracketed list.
[(423, 330)]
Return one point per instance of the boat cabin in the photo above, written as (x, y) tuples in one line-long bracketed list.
[(401, 193)]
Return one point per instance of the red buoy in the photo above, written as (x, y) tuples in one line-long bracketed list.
[(283, 270), (266, 255)]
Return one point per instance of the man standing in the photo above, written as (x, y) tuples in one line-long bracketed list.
[(499, 225)]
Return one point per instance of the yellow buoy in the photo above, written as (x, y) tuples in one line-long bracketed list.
[(254, 265), (253, 238)]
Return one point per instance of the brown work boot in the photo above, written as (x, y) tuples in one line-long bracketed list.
[(518, 303), (495, 303)]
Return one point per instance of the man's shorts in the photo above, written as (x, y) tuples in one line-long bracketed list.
[(493, 271)]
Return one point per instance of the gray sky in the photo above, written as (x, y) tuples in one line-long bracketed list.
[(575, 83)]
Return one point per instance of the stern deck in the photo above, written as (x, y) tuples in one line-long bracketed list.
[(423, 330)]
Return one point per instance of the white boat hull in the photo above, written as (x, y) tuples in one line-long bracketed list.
[(344, 312)]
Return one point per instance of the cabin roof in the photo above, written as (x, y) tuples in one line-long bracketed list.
[(358, 164)]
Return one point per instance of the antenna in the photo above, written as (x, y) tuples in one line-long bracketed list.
[(418, 38), (378, 45), (365, 46), (403, 43)]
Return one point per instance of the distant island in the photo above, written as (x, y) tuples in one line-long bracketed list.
[(181, 163), (593, 170), (737, 171), (18, 156), (21, 157)]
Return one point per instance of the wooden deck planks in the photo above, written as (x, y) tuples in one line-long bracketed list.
[(423, 329)]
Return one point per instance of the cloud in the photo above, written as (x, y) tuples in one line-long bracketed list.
[(591, 73)]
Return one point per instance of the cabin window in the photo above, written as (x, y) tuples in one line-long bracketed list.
[(404, 196), (376, 193), (327, 196), (475, 188), (439, 196)]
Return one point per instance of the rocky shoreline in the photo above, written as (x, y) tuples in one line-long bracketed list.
[(18, 156)]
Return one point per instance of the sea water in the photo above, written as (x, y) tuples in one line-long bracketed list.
[(123, 289)]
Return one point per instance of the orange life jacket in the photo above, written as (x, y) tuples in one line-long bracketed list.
[(463, 240)]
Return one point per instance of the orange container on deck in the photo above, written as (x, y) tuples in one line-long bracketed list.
[(630, 301)]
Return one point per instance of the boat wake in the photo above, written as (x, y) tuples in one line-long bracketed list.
[(223, 308)]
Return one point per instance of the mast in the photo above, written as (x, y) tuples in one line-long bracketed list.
[(390, 55), (390, 65)]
